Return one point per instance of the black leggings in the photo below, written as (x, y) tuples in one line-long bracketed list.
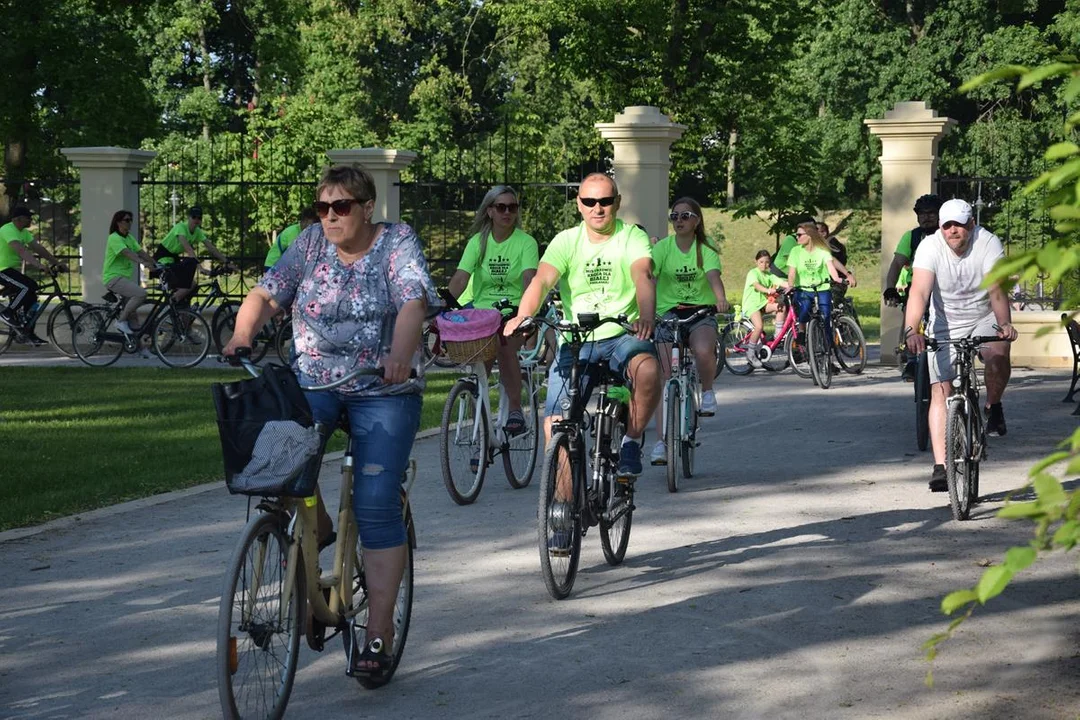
[(23, 290)]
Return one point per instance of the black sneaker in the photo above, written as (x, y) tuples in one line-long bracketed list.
[(995, 420), (938, 482), (629, 460)]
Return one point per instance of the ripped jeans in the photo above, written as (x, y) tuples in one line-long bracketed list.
[(383, 429)]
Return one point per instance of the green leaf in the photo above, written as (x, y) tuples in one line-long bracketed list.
[(1001, 73), (1042, 73), (1061, 150), (1072, 89), (1049, 490), (1019, 557), (1050, 459), (1020, 510), (992, 582), (956, 600), (1068, 534)]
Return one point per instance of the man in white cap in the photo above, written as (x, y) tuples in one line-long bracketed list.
[(952, 264)]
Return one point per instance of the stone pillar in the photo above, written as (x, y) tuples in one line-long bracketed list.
[(909, 136), (107, 177), (385, 166), (641, 137)]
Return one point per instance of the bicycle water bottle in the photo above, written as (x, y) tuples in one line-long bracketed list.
[(33, 309), (674, 356)]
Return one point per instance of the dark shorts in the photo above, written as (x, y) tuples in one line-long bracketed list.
[(615, 352), (180, 275), (666, 334)]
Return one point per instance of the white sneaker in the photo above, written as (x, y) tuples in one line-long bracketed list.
[(122, 326), (752, 357), (659, 454), (708, 404)]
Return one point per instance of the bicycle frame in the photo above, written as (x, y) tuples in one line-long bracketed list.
[(54, 293)]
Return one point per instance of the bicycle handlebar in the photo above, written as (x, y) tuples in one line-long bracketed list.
[(702, 311), (973, 342), (242, 358), (588, 323)]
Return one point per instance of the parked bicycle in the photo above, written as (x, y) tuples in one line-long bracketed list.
[(180, 337), (681, 400), (579, 488), (275, 575), (18, 327), (469, 440), (965, 429)]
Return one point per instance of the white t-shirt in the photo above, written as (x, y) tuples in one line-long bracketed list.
[(958, 299)]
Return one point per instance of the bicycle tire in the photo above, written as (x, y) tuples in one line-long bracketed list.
[(519, 454), (922, 401), (559, 555), (430, 357), (958, 461), (720, 350), (283, 341), (258, 633), (61, 326), (733, 347), (181, 338), (690, 418), (223, 323), (7, 336), (456, 432), (672, 403), (798, 357), (616, 521), (820, 362), (849, 346), (402, 606), (92, 345)]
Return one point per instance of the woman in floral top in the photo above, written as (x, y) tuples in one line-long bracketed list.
[(359, 292)]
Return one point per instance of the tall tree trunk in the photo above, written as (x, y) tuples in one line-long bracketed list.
[(205, 74), (733, 136)]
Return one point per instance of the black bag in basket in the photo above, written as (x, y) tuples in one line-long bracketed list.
[(244, 408)]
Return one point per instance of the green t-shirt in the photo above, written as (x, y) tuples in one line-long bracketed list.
[(596, 276), (284, 240), (498, 274), (171, 242), (904, 248), (752, 298), (782, 255), (118, 265), (811, 268), (9, 234), (679, 280)]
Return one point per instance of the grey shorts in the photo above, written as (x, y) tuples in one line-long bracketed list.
[(941, 361)]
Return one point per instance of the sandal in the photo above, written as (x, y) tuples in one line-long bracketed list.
[(515, 423), (377, 652)]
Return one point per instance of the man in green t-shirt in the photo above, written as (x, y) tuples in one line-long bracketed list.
[(605, 267), (177, 252), (285, 237), (18, 246)]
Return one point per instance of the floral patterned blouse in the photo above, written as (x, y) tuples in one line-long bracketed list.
[(343, 314)]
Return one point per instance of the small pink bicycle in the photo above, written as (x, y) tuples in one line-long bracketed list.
[(775, 353)]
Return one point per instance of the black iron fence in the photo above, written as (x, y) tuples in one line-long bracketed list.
[(54, 203)]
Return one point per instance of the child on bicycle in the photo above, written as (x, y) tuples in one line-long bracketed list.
[(758, 299), (810, 267)]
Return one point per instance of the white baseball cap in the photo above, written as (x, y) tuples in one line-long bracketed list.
[(955, 210)]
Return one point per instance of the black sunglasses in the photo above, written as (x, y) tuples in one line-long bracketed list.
[(684, 215), (506, 207), (341, 208), (604, 201)]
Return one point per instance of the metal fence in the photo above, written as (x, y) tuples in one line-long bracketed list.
[(54, 203)]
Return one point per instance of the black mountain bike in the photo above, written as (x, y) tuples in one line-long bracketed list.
[(59, 325), (818, 347), (578, 484)]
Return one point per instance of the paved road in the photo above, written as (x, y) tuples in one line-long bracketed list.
[(794, 577)]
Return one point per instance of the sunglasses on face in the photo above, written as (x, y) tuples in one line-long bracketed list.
[(127, 220), (506, 207), (684, 215), (341, 208), (603, 201)]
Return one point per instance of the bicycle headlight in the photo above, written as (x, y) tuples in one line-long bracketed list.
[(565, 404), (956, 382)]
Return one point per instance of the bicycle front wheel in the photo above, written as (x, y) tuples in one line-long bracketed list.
[(849, 345), (617, 515), (820, 364), (258, 637), (672, 401), (959, 464), (93, 343), (797, 354), (181, 338), (689, 439), (463, 440), (733, 348), (7, 336), (519, 455), (61, 326), (557, 530), (922, 401)]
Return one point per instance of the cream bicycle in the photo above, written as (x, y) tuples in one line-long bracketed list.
[(274, 574)]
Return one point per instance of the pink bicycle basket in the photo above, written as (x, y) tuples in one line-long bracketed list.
[(469, 335)]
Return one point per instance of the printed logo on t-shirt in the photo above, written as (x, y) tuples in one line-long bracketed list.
[(499, 269), (686, 274), (599, 272)]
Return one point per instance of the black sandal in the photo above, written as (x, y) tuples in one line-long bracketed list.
[(376, 651), (515, 423)]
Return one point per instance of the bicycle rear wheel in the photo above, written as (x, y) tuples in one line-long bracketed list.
[(733, 347), (922, 401), (283, 341), (94, 345), (463, 441), (959, 471), (849, 345), (616, 517), (519, 454), (797, 356), (557, 530), (672, 406), (61, 326), (258, 635), (690, 424), (181, 338), (223, 323), (820, 364)]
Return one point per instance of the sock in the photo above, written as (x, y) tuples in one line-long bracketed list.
[(627, 438)]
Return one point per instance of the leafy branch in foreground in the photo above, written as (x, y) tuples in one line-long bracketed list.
[(1054, 510)]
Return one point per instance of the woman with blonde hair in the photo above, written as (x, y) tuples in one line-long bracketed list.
[(810, 267)]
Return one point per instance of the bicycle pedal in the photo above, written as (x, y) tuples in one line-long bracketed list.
[(355, 648)]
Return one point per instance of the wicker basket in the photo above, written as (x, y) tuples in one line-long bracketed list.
[(464, 352)]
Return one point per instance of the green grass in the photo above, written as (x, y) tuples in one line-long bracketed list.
[(76, 439)]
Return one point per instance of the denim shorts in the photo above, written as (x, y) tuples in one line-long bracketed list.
[(616, 352), (383, 429)]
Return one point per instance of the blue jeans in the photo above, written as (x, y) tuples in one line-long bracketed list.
[(616, 352), (804, 301), (383, 429)]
